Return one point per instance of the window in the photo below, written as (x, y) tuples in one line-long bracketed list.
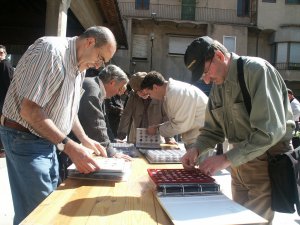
[(230, 43), (188, 9), (295, 53), (288, 56), (243, 7), (139, 47), (142, 4), (178, 45), (292, 1), (281, 52)]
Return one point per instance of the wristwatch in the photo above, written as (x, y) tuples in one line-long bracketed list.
[(61, 146)]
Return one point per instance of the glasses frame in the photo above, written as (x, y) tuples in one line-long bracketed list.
[(101, 59)]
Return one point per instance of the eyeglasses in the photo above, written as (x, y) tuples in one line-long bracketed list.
[(142, 93), (101, 60), (207, 71)]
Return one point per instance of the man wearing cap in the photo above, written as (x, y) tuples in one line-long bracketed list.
[(140, 111), (268, 127), (184, 104)]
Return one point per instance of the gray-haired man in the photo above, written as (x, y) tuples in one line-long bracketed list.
[(110, 81)]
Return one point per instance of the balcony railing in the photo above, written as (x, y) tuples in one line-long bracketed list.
[(287, 66), (173, 12)]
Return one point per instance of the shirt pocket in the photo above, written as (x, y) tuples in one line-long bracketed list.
[(241, 121), (218, 114)]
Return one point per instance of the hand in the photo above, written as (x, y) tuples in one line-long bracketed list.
[(190, 158), (81, 157), (171, 141), (213, 164), (119, 141), (95, 146), (122, 156), (152, 130)]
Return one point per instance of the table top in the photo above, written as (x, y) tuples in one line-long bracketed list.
[(104, 202)]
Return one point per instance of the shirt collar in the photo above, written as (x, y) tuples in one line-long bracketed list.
[(73, 53), (232, 71), (103, 91)]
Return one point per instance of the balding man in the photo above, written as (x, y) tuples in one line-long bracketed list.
[(41, 109)]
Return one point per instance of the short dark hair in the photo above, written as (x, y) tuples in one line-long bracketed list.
[(153, 77), (290, 91)]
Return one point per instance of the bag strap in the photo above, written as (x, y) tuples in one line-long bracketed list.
[(241, 78)]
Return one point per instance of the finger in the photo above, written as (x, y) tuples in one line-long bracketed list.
[(101, 150), (92, 165), (87, 165), (123, 156), (188, 167), (127, 157), (186, 163)]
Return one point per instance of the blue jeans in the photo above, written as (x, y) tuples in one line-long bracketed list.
[(32, 169)]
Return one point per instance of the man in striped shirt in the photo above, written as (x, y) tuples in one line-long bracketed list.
[(41, 108)]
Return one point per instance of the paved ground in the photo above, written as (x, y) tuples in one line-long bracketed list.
[(6, 207), (7, 212)]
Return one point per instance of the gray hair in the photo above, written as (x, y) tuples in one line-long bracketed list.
[(4, 48), (213, 47), (112, 72), (102, 35), (219, 46)]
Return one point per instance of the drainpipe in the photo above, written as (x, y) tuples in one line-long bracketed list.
[(257, 40)]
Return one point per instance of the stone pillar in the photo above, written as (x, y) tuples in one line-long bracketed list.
[(56, 17)]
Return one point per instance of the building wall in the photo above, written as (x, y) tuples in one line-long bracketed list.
[(221, 4), (272, 15), (168, 65), (240, 32), (173, 65), (276, 22)]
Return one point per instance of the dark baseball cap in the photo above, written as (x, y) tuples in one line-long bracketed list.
[(194, 57)]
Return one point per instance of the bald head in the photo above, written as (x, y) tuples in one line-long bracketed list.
[(102, 35)]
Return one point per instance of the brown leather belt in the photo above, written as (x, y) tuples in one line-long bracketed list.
[(12, 124)]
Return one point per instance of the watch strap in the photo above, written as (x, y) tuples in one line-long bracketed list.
[(65, 140)]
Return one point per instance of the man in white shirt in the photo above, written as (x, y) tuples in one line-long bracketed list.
[(184, 104), (295, 104)]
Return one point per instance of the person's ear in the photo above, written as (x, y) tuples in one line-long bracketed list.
[(219, 55), (113, 83), (91, 42)]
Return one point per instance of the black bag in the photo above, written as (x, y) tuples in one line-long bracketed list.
[(285, 181)]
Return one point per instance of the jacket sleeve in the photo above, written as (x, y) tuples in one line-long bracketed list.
[(92, 119), (126, 118)]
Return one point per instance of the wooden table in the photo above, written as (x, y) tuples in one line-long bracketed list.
[(86, 202)]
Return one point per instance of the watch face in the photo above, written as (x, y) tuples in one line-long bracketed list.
[(60, 146)]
